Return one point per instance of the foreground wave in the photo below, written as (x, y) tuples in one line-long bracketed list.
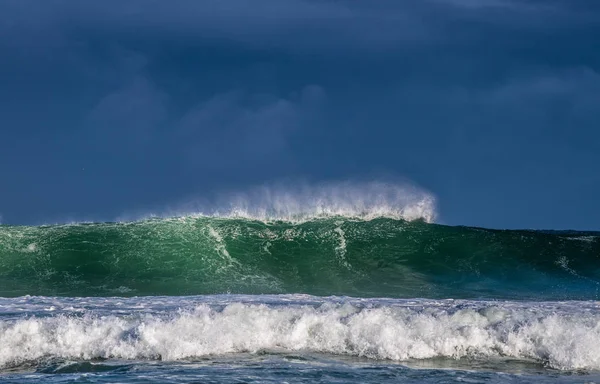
[(559, 335), (329, 256)]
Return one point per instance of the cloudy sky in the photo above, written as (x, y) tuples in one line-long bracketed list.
[(112, 107)]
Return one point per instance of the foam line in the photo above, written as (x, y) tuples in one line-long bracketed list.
[(562, 339)]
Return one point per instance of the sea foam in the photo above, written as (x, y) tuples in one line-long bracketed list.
[(561, 337)]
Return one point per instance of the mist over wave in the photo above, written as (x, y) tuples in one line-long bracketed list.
[(298, 202)]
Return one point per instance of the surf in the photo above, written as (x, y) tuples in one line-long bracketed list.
[(562, 336)]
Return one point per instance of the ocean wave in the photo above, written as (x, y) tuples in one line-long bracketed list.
[(327, 256), (560, 337)]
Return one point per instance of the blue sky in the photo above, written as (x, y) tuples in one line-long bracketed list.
[(491, 105)]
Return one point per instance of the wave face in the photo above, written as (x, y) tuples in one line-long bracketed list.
[(559, 335), (382, 257)]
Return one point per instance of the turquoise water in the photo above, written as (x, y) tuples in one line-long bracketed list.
[(331, 256), (335, 299)]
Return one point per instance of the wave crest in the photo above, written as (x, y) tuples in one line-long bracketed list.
[(301, 202)]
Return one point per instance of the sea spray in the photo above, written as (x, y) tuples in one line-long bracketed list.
[(302, 201)]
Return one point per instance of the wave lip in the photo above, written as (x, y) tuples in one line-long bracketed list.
[(299, 203), (562, 337)]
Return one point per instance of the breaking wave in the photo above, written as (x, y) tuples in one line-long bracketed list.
[(335, 255), (301, 202), (559, 335)]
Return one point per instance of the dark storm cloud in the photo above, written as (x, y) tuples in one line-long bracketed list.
[(237, 126), (479, 101), (284, 24), (135, 111), (265, 23)]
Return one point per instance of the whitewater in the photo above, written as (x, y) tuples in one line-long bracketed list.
[(338, 283)]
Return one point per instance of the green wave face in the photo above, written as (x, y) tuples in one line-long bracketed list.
[(333, 256)]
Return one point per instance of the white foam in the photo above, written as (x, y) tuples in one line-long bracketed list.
[(300, 202), (564, 339)]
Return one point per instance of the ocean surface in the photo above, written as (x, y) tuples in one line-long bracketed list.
[(324, 299)]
